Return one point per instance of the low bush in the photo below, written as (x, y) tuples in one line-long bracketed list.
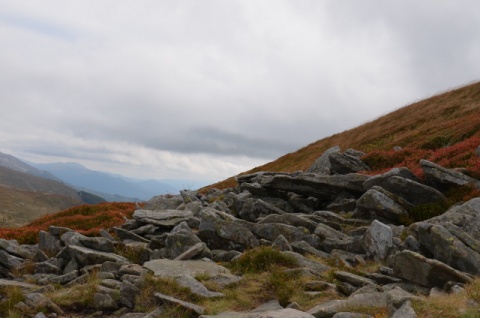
[(261, 259)]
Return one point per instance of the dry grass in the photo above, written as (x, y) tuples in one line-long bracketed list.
[(19, 207), (441, 120)]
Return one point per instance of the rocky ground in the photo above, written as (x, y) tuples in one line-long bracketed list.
[(329, 220)]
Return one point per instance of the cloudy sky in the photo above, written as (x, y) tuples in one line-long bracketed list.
[(203, 90)]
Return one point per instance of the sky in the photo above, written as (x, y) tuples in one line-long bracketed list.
[(204, 90)]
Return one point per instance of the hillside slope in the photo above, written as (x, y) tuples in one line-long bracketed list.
[(436, 122), (25, 197)]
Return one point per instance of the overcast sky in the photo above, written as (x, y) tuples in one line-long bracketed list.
[(207, 89)]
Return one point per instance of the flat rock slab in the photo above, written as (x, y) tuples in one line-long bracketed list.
[(13, 283), (271, 309), (172, 268), (162, 217), (195, 308)]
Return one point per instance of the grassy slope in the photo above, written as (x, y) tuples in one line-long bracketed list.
[(24, 197), (439, 121), (19, 207)]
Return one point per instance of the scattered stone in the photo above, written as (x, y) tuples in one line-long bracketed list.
[(189, 306)]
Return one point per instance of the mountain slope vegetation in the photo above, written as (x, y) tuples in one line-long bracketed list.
[(435, 123), (25, 197)]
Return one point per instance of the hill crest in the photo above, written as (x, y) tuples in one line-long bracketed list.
[(438, 121)]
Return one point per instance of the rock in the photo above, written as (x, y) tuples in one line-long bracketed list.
[(12, 247), (269, 310), (9, 261), (322, 164), (166, 218), (381, 179), (170, 268), (224, 256), (353, 279), (327, 309), (344, 163), (49, 243), (221, 231), (378, 241), (128, 292), (270, 231), (189, 306), (447, 248), (317, 186), (326, 232), (180, 241), (86, 256), (223, 280), (98, 243), (26, 287), (397, 296), (192, 252), (304, 248), (47, 268), (444, 179), (465, 216), (406, 311), (379, 203), (129, 236), (255, 208), (313, 266), (426, 272), (104, 302), (196, 287), (164, 202), (411, 191), (290, 219), (36, 300), (282, 244), (477, 151), (351, 315)]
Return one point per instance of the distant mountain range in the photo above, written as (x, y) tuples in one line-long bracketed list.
[(104, 184), (30, 190)]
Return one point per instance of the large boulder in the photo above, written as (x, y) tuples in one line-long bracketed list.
[(322, 164), (344, 163), (379, 203), (86, 256), (380, 179), (172, 268), (166, 218), (179, 241), (465, 216), (378, 241), (446, 247), (414, 192), (220, 230), (317, 186), (255, 208), (424, 271), (444, 179)]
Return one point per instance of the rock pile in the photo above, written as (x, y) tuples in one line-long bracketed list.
[(181, 236)]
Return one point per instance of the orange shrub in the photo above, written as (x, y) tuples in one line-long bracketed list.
[(460, 155), (86, 219)]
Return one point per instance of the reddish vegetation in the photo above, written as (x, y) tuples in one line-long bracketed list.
[(86, 219), (460, 155)]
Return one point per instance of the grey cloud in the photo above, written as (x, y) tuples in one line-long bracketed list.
[(234, 78)]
